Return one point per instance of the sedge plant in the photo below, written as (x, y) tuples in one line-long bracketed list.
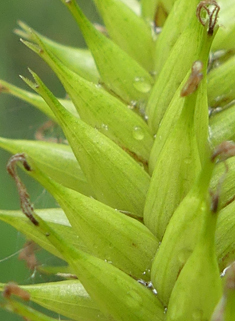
[(144, 179)]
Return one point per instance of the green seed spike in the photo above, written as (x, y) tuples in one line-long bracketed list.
[(128, 31), (34, 99), (68, 298), (176, 168), (198, 287), (115, 292), (76, 59), (221, 84), (100, 109), (55, 217), (101, 160), (180, 17), (51, 159), (130, 246), (181, 236), (132, 83), (195, 37)]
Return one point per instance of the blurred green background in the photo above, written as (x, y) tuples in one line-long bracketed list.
[(20, 120)]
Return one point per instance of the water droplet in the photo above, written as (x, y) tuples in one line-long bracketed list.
[(184, 255), (133, 105), (142, 85), (105, 127), (138, 133), (99, 86), (154, 291), (108, 261)]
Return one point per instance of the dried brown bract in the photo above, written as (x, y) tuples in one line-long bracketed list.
[(25, 203), (28, 255), (13, 289), (224, 150), (211, 8), (194, 79)]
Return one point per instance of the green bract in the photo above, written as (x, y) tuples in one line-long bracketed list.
[(145, 177)]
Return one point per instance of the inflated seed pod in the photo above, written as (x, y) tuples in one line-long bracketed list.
[(177, 165), (181, 236), (222, 125), (175, 107), (112, 61), (198, 287), (129, 31), (227, 190), (169, 35), (177, 65), (100, 109), (130, 246), (221, 83), (101, 160), (116, 294)]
